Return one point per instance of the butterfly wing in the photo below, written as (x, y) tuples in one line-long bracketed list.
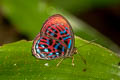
[(56, 39)]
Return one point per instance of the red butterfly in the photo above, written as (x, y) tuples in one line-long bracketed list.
[(55, 40)]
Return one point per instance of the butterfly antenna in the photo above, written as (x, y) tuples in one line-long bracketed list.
[(89, 42)]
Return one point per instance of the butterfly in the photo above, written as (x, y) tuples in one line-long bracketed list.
[(55, 40)]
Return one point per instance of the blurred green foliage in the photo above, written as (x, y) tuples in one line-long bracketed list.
[(28, 17), (75, 6)]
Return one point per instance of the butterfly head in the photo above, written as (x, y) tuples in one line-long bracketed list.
[(75, 50)]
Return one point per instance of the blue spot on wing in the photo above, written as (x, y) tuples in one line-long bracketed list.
[(47, 31), (66, 37), (56, 46), (57, 53), (63, 32), (38, 51), (50, 54), (52, 34), (67, 34), (47, 41), (42, 46), (69, 44), (46, 50), (62, 49), (42, 55), (53, 56), (41, 37), (36, 46)]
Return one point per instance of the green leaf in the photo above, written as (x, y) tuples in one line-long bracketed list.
[(17, 63)]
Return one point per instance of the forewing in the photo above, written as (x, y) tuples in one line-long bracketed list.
[(59, 28)]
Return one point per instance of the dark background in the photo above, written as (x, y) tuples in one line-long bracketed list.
[(105, 19)]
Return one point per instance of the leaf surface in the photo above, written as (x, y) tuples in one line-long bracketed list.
[(17, 63)]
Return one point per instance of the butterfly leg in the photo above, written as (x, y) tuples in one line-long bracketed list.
[(59, 62), (73, 61)]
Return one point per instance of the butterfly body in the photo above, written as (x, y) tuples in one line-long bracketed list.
[(55, 40)]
